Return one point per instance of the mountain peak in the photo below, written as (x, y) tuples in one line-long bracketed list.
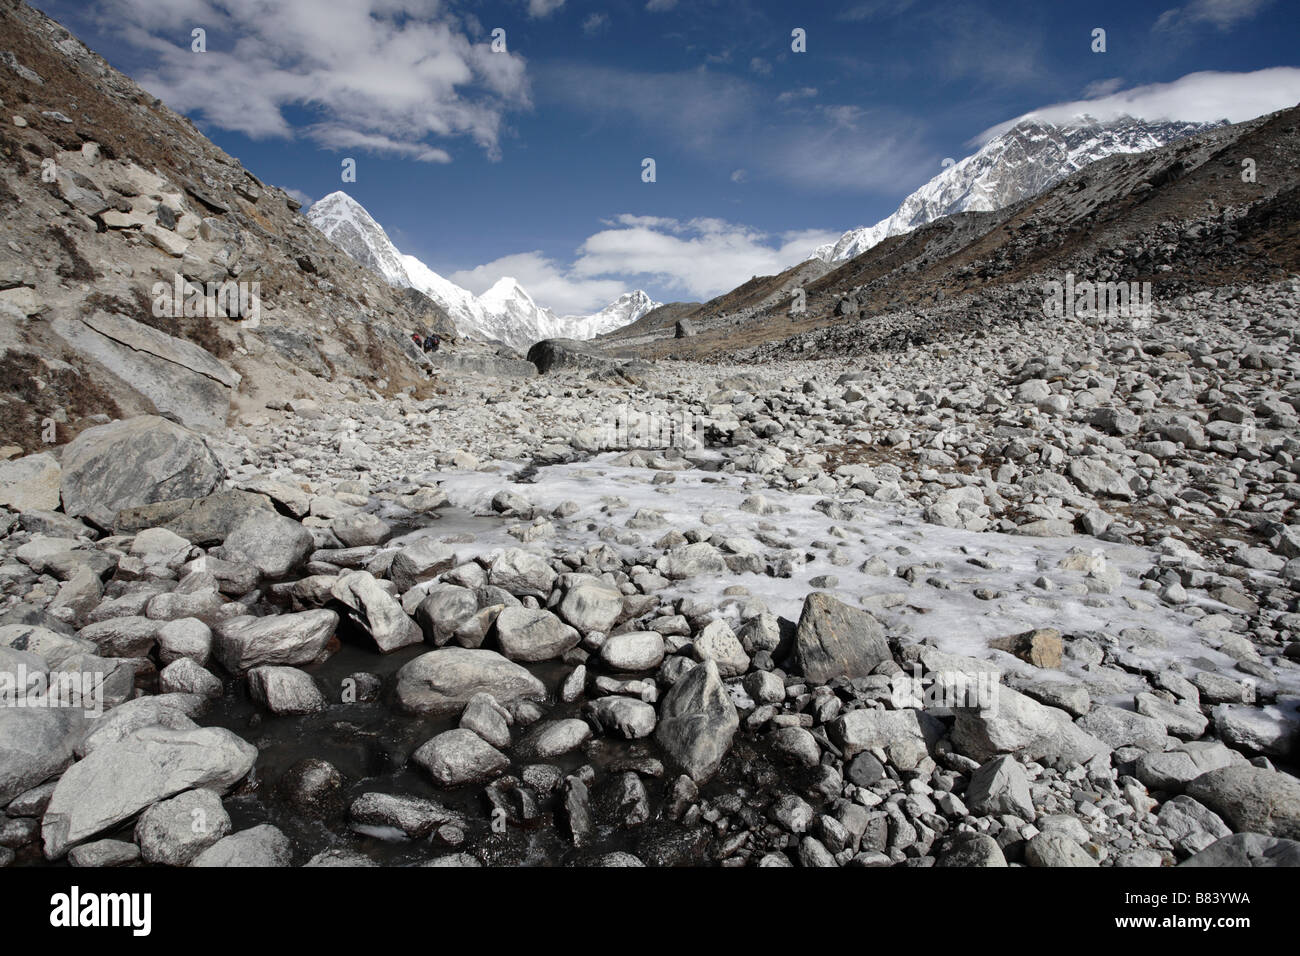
[(1029, 156)]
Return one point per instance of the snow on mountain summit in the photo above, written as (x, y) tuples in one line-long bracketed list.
[(1027, 159), (505, 312)]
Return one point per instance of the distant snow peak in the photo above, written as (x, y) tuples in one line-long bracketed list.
[(505, 312), (1030, 157)]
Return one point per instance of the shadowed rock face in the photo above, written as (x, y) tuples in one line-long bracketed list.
[(134, 462), (551, 354), (835, 640)]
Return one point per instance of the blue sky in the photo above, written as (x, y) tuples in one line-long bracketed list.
[(529, 162)]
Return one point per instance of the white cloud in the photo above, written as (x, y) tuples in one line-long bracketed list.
[(301, 196), (697, 258), (739, 175), (660, 6), (384, 75), (547, 281), (791, 96), (595, 24), (543, 8), (1221, 14), (1196, 97), (760, 66), (1102, 87), (692, 259)]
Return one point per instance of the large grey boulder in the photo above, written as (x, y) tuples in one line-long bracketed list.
[(173, 832), (899, 733), (444, 610), (522, 573), (835, 640), (444, 681), (118, 780), (273, 544), (292, 639), (697, 721), (35, 744), (533, 635), (1248, 849), (1022, 726), (133, 462), (376, 611), (999, 787), (550, 354), (460, 756), (1251, 799), (592, 606)]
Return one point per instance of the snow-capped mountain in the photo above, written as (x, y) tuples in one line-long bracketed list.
[(505, 312), (1022, 162)]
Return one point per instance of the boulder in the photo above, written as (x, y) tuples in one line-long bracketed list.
[(118, 780), (444, 681), (697, 721), (835, 640), (376, 611), (133, 462), (292, 639)]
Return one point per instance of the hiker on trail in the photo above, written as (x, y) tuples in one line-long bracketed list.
[(415, 337), (431, 343)]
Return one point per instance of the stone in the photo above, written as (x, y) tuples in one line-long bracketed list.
[(117, 780), (898, 732), (262, 846), (592, 607), (183, 676), (444, 681), (533, 635), (104, 853), (415, 817), (376, 611), (971, 850), (553, 738), (1251, 799), (134, 462), (1190, 826), (998, 787), (285, 690), (275, 545), (835, 640), (717, 643), (522, 573), (30, 483), (633, 651), (289, 639), (628, 717), (173, 832), (1123, 728), (1056, 849), (456, 757), (697, 721), (421, 560), (1247, 849), (35, 744)]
